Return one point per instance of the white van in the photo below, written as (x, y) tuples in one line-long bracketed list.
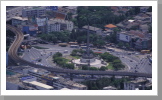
[(65, 51)]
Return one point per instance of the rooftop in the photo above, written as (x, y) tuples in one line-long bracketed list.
[(20, 18), (110, 26), (34, 8), (60, 21), (91, 28), (40, 84)]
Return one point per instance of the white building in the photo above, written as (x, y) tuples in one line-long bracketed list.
[(38, 85), (58, 25), (53, 26), (64, 24), (124, 36)]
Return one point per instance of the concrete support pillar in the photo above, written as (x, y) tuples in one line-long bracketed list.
[(71, 76), (92, 76)]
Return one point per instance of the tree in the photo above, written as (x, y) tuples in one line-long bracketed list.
[(127, 45), (69, 66), (93, 68), (118, 66), (116, 61), (84, 67), (103, 68), (120, 44), (57, 54)]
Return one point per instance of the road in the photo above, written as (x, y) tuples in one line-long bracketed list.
[(139, 63), (18, 40)]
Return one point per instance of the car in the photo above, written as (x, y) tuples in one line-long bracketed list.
[(99, 49), (129, 53), (131, 60)]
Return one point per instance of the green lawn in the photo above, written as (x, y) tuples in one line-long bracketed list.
[(37, 47), (75, 57), (110, 66)]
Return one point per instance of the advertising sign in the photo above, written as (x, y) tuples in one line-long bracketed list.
[(33, 28), (54, 8), (124, 37)]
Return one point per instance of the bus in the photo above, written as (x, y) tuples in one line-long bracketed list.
[(63, 44), (145, 51), (74, 46), (73, 43), (83, 47)]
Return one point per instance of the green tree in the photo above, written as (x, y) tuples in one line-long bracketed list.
[(120, 44), (84, 67), (69, 66), (118, 66), (116, 61), (93, 68), (57, 54), (103, 68)]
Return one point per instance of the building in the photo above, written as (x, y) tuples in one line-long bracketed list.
[(57, 82), (19, 21), (52, 8), (92, 29), (30, 29), (143, 43), (138, 84), (38, 85), (124, 36), (53, 26), (34, 11), (64, 24), (110, 27)]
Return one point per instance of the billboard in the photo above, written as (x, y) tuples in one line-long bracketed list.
[(33, 27), (124, 37), (41, 21), (53, 8)]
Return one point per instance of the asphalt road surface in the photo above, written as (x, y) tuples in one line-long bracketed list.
[(134, 62)]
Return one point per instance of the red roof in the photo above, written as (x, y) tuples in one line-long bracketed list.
[(60, 16), (114, 8), (110, 26)]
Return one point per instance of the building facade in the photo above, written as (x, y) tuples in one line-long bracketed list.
[(19, 21), (52, 26), (92, 29), (33, 12)]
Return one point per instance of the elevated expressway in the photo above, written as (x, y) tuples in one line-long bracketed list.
[(19, 38)]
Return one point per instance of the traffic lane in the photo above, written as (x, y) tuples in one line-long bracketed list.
[(115, 53)]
